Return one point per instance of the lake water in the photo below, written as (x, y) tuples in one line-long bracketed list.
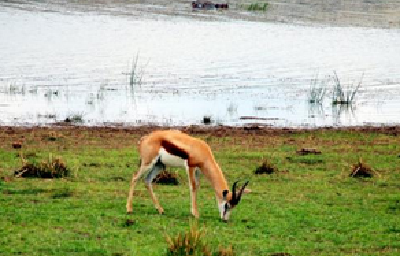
[(55, 65)]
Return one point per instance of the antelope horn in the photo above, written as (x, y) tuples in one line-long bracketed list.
[(234, 191), (241, 191)]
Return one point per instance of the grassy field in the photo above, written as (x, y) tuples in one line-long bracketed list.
[(310, 206)]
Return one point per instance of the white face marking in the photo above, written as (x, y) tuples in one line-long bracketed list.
[(221, 208), (224, 213), (171, 160)]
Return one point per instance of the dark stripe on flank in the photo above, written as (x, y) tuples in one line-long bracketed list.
[(174, 150)]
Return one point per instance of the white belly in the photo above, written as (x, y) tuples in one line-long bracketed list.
[(171, 160)]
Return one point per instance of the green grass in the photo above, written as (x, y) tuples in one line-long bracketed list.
[(312, 209), (256, 7)]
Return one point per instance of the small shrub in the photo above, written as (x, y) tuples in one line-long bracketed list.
[(75, 118), (16, 145), (166, 178), (50, 168), (207, 120), (361, 170), (266, 168)]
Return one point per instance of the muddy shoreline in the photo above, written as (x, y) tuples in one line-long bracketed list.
[(217, 131)]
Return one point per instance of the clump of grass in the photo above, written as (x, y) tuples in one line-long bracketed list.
[(308, 151), (341, 95), (266, 168), (257, 7), (129, 222), (74, 118), (52, 136), (167, 178), (16, 145), (63, 193), (13, 88), (50, 168), (207, 120), (192, 242), (317, 91), (362, 170), (136, 73)]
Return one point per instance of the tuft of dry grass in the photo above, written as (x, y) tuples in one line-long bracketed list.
[(192, 243), (308, 151), (167, 178), (362, 170), (266, 168), (50, 168)]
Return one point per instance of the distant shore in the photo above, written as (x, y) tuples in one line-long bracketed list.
[(364, 13)]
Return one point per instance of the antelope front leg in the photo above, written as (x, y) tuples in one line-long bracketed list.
[(132, 188), (153, 196), (193, 187)]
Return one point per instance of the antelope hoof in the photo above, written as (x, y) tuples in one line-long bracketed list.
[(161, 211), (196, 215)]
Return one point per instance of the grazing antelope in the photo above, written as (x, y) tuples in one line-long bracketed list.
[(174, 148)]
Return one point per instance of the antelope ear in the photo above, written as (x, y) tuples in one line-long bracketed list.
[(224, 194)]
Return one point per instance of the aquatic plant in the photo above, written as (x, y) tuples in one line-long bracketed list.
[(136, 73), (13, 88), (341, 95), (74, 118), (317, 90)]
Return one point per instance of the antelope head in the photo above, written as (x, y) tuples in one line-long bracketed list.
[(230, 200)]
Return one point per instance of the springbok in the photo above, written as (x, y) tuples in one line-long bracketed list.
[(174, 148)]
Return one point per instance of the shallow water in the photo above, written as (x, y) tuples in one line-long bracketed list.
[(55, 65)]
